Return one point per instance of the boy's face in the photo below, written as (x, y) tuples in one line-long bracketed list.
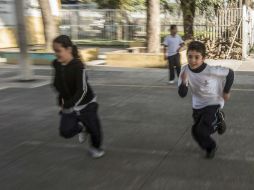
[(173, 31), (195, 59)]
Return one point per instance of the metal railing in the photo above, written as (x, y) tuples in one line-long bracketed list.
[(107, 24)]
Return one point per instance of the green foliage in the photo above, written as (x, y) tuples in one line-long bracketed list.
[(211, 6), (131, 5)]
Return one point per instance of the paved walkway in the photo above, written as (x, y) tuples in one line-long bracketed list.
[(147, 137)]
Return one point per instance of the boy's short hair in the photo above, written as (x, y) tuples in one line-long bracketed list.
[(172, 27), (197, 46)]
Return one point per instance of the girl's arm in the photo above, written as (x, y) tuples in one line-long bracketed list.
[(59, 98), (81, 88)]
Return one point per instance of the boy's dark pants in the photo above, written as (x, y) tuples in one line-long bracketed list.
[(174, 63), (205, 121), (69, 126)]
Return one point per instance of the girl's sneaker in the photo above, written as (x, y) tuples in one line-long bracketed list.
[(96, 153), (82, 136)]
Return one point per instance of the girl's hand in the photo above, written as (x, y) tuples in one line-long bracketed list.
[(62, 104), (226, 96)]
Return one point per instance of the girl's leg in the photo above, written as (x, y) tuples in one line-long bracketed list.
[(89, 117), (69, 125)]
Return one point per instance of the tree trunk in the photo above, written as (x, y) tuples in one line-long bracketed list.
[(24, 61), (49, 22), (153, 26), (188, 9)]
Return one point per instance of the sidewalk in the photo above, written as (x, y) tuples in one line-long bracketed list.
[(247, 65)]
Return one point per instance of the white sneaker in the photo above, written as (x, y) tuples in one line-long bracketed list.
[(82, 136), (171, 82), (96, 153)]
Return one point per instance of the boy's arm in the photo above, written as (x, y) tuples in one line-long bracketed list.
[(165, 52), (229, 82), (165, 45), (181, 43), (182, 84), (183, 90)]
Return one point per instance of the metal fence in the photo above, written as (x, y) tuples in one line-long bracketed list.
[(98, 24), (83, 24)]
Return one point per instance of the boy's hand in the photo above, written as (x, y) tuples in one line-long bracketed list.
[(180, 48), (165, 57), (184, 77), (226, 96)]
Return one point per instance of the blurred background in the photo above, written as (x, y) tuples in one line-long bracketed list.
[(146, 125), (119, 24)]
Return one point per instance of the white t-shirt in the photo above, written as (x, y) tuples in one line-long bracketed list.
[(206, 86), (173, 44)]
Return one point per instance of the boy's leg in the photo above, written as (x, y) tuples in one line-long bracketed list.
[(221, 124), (89, 117), (171, 61), (204, 127), (196, 117), (177, 64)]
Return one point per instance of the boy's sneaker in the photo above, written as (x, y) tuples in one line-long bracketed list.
[(96, 153), (171, 82), (210, 153), (221, 125), (82, 136)]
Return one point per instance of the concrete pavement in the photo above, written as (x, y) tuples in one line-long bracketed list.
[(146, 136)]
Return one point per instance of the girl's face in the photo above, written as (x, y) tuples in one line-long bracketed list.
[(195, 59), (63, 54)]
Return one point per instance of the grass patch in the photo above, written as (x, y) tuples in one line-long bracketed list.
[(103, 43)]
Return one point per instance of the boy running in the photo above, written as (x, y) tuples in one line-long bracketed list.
[(210, 87)]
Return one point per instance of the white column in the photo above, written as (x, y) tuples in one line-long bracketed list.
[(24, 61), (244, 33)]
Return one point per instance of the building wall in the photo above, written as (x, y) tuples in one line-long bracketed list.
[(34, 23)]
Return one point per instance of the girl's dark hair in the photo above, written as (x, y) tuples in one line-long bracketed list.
[(66, 42), (197, 46)]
